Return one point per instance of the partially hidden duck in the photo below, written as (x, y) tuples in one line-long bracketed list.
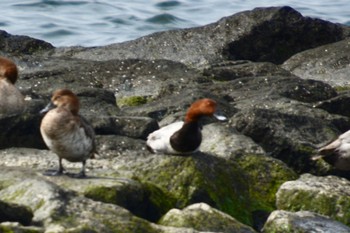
[(11, 99), (66, 133), (183, 137), (337, 153)]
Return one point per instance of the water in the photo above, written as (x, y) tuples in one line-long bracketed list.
[(102, 22)]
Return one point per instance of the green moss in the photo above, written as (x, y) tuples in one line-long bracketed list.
[(306, 149), (39, 205), (342, 88), (4, 229), (203, 178), (14, 196), (82, 229), (230, 195), (132, 101), (102, 193), (335, 207), (160, 199), (5, 183), (8, 229), (265, 176), (144, 200)]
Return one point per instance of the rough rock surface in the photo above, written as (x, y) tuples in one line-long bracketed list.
[(201, 217), (302, 222), (272, 34), (328, 196), (263, 69), (327, 63)]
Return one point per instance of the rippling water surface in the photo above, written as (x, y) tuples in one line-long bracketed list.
[(101, 22)]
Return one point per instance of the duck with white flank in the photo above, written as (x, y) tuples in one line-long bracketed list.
[(11, 99), (65, 132), (337, 153), (183, 137)]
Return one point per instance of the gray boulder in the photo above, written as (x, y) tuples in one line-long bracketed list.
[(22, 45), (281, 221), (59, 210), (263, 34), (202, 217), (328, 63), (329, 196)]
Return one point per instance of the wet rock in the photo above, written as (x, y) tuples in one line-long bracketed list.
[(328, 63), (302, 222), (290, 131), (263, 34), (264, 175), (230, 70), (202, 217), (336, 105), (190, 180), (328, 196), (15, 213), (125, 78), (20, 45)]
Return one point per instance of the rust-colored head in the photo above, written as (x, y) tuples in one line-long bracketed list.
[(202, 107), (63, 98), (8, 70)]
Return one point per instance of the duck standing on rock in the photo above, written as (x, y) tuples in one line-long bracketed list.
[(65, 132), (337, 153), (11, 99), (183, 137)]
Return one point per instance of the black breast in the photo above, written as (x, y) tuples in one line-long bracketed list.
[(188, 138)]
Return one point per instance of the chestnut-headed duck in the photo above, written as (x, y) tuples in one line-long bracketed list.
[(11, 99), (65, 132), (183, 137), (337, 153)]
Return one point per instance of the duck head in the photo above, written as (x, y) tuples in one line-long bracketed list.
[(8, 70), (203, 107), (63, 98)]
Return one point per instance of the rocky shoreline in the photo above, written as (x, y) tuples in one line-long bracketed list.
[(281, 78)]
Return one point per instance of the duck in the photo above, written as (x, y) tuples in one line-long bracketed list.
[(66, 133), (336, 153), (11, 99), (183, 137)]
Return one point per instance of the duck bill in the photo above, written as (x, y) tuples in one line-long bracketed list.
[(47, 108), (220, 117)]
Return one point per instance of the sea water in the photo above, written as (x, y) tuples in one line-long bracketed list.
[(102, 22)]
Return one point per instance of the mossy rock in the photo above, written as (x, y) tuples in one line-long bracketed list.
[(200, 178), (144, 200), (329, 196), (202, 217), (15, 228), (342, 88), (132, 101), (266, 175)]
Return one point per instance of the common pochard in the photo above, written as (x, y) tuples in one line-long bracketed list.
[(65, 132), (183, 137), (337, 153), (11, 99)]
